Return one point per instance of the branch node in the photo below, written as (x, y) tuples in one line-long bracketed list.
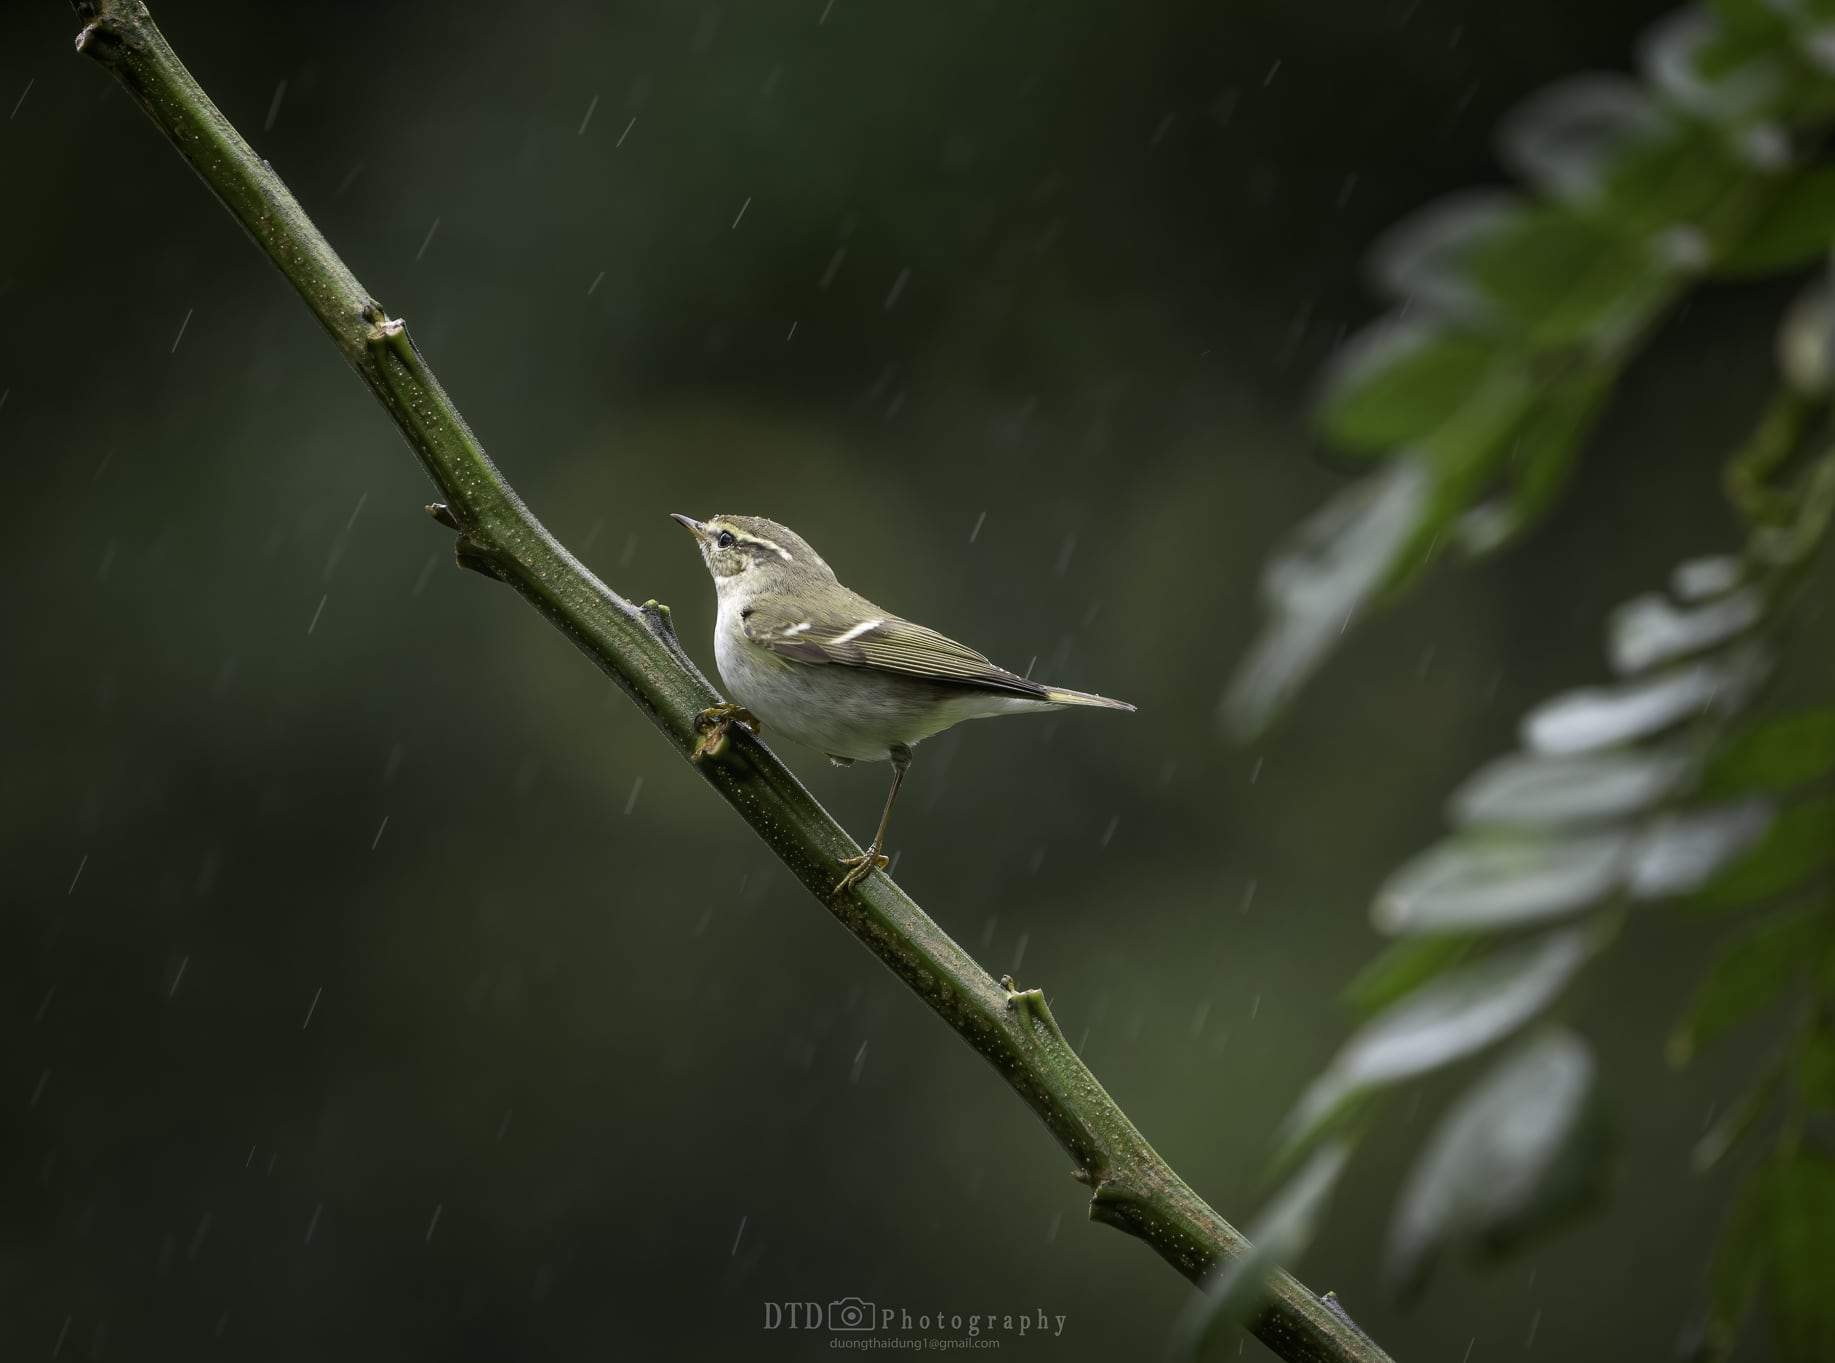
[(658, 621), (479, 557), (1336, 1307), (714, 727), (443, 514)]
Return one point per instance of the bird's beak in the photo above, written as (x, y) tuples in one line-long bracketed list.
[(690, 524)]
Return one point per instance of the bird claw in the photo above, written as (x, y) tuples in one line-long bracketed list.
[(859, 868), (714, 727)]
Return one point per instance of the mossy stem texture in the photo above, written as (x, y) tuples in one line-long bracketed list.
[(1132, 1188)]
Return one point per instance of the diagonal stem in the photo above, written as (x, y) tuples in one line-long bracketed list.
[(1132, 1187)]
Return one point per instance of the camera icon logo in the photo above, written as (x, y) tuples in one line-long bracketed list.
[(850, 1313)]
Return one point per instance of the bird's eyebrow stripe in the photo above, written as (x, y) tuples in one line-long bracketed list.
[(758, 543)]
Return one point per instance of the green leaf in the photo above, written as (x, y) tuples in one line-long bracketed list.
[(1790, 750), (1796, 228), (1402, 967), (1514, 1153), (1731, 1126), (1398, 381), (1801, 1210), (1541, 453), (1562, 279), (1325, 572), (1493, 880), (1684, 177), (1455, 1015), (1748, 16), (1741, 1259), (1750, 972), (1276, 1240), (1799, 843), (1536, 790)]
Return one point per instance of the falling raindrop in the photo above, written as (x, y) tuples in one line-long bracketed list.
[(280, 93)]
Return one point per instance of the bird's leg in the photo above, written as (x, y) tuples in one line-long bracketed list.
[(714, 724), (874, 858)]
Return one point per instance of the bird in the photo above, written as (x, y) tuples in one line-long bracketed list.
[(806, 657)]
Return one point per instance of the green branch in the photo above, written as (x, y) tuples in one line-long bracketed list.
[(1132, 1188)]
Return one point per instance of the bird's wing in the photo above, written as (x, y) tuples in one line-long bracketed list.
[(859, 635)]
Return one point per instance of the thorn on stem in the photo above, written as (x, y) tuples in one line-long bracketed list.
[(443, 514)]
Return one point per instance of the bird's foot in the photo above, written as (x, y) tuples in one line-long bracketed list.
[(860, 867), (714, 726)]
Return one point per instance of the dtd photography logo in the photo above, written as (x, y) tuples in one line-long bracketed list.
[(856, 1323)]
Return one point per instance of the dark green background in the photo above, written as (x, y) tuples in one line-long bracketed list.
[(596, 1025)]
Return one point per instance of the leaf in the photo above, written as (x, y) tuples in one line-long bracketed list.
[(1796, 228), (1762, 17), (1560, 279), (1401, 967), (1495, 881), (1535, 790), (1696, 579), (1685, 180), (1731, 1126), (1328, 569), (1799, 843), (1397, 381), (1541, 453), (1801, 1208), (1424, 260), (1598, 717), (1750, 972), (1725, 76), (1456, 1015), (1775, 755), (1487, 1174), (1682, 850), (1648, 630), (1276, 1240), (1742, 1257), (1565, 138)]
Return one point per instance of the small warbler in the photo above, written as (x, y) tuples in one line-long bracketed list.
[(824, 666)]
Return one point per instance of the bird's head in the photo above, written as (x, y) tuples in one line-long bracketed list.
[(752, 551)]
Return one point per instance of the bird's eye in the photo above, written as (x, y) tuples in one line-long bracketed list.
[(724, 539)]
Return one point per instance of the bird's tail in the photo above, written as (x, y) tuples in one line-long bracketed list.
[(1057, 695)]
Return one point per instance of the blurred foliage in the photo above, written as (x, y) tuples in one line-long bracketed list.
[(1669, 784), (1516, 312), (1656, 788)]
